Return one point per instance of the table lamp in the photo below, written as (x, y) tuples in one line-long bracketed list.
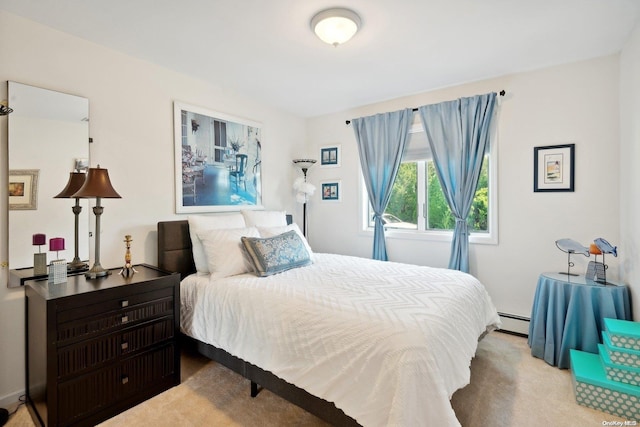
[(98, 186), (76, 180)]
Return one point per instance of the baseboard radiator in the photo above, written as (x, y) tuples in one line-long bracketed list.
[(514, 324)]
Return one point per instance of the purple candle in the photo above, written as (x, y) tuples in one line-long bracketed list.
[(39, 239), (56, 244)]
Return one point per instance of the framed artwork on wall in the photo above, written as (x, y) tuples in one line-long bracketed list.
[(217, 161), (331, 191), (554, 168), (330, 156), (23, 189)]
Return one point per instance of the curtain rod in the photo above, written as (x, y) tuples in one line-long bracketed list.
[(501, 93)]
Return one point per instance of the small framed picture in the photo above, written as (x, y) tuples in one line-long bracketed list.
[(23, 189), (81, 165), (331, 191), (330, 156), (554, 168)]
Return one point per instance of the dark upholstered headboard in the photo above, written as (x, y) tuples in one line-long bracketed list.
[(174, 247)]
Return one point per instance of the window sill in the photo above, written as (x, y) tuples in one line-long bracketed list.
[(432, 236)]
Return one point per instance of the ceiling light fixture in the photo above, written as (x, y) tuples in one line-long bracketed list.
[(335, 26)]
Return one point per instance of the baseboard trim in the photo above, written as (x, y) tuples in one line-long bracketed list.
[(12, 400), (514, 324)]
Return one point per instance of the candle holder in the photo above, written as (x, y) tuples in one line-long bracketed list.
[(58, 271), (58, 267), (39, 259), (128, 269)]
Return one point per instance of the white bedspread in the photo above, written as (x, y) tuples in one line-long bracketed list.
[(388, 343)]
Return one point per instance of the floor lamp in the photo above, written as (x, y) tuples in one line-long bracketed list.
[(98, 186), (304, 189), (76, 180)]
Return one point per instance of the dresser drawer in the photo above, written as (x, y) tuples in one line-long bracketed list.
[(85, 355), (82, 308), (105, 322), (82, 397)]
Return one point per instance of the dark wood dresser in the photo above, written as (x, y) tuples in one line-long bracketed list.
[(96, 347)]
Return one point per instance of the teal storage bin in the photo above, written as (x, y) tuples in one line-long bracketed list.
[(615, 372), (594, 390), (623, 333), (620, 355)]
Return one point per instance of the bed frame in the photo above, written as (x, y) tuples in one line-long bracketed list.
[(175, 255)]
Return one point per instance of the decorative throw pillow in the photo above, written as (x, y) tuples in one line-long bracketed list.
[(276, 254), (274, 231), (199, 223), (264, 218), (223, 247)]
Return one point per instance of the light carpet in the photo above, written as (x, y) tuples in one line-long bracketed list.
[(508, 387)]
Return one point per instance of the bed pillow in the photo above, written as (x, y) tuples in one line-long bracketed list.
[(223, 247), (199, 223), (274, 231), (264, 218), (272, 255)]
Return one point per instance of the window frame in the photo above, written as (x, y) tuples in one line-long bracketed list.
[(488, 238)]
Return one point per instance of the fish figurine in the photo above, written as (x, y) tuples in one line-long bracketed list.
[(572, 247), (606, 247)]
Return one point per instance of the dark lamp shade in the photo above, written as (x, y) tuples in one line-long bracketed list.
[(97, 184), (76, 180)]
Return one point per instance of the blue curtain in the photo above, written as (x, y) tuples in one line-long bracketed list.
[(381, 141), (458, 133)]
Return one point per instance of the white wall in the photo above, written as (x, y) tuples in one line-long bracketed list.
[(574, 103), (132, 126), (131, 109), (629, 170)]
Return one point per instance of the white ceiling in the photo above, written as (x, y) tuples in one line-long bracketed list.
[(265, 49)]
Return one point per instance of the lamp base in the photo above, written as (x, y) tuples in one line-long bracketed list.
[(96, 272), (77, 265)]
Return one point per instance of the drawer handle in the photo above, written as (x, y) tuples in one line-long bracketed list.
[(124, 345), (125, 379), (125, 318), (125, 303)]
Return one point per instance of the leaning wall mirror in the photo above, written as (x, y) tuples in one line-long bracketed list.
[(48, 139)]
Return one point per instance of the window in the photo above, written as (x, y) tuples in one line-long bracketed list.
[(418, 205)]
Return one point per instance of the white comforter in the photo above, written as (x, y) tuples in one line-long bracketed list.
[(388, 343)]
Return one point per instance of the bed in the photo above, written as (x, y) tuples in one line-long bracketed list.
[(352, 340)]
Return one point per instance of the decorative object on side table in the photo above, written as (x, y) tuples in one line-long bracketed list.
[(303, 188), (39, 259), (76, 180), (606, 248), (98, 186), (128, 270), (595, 269), (570, 246), (58, 267)]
